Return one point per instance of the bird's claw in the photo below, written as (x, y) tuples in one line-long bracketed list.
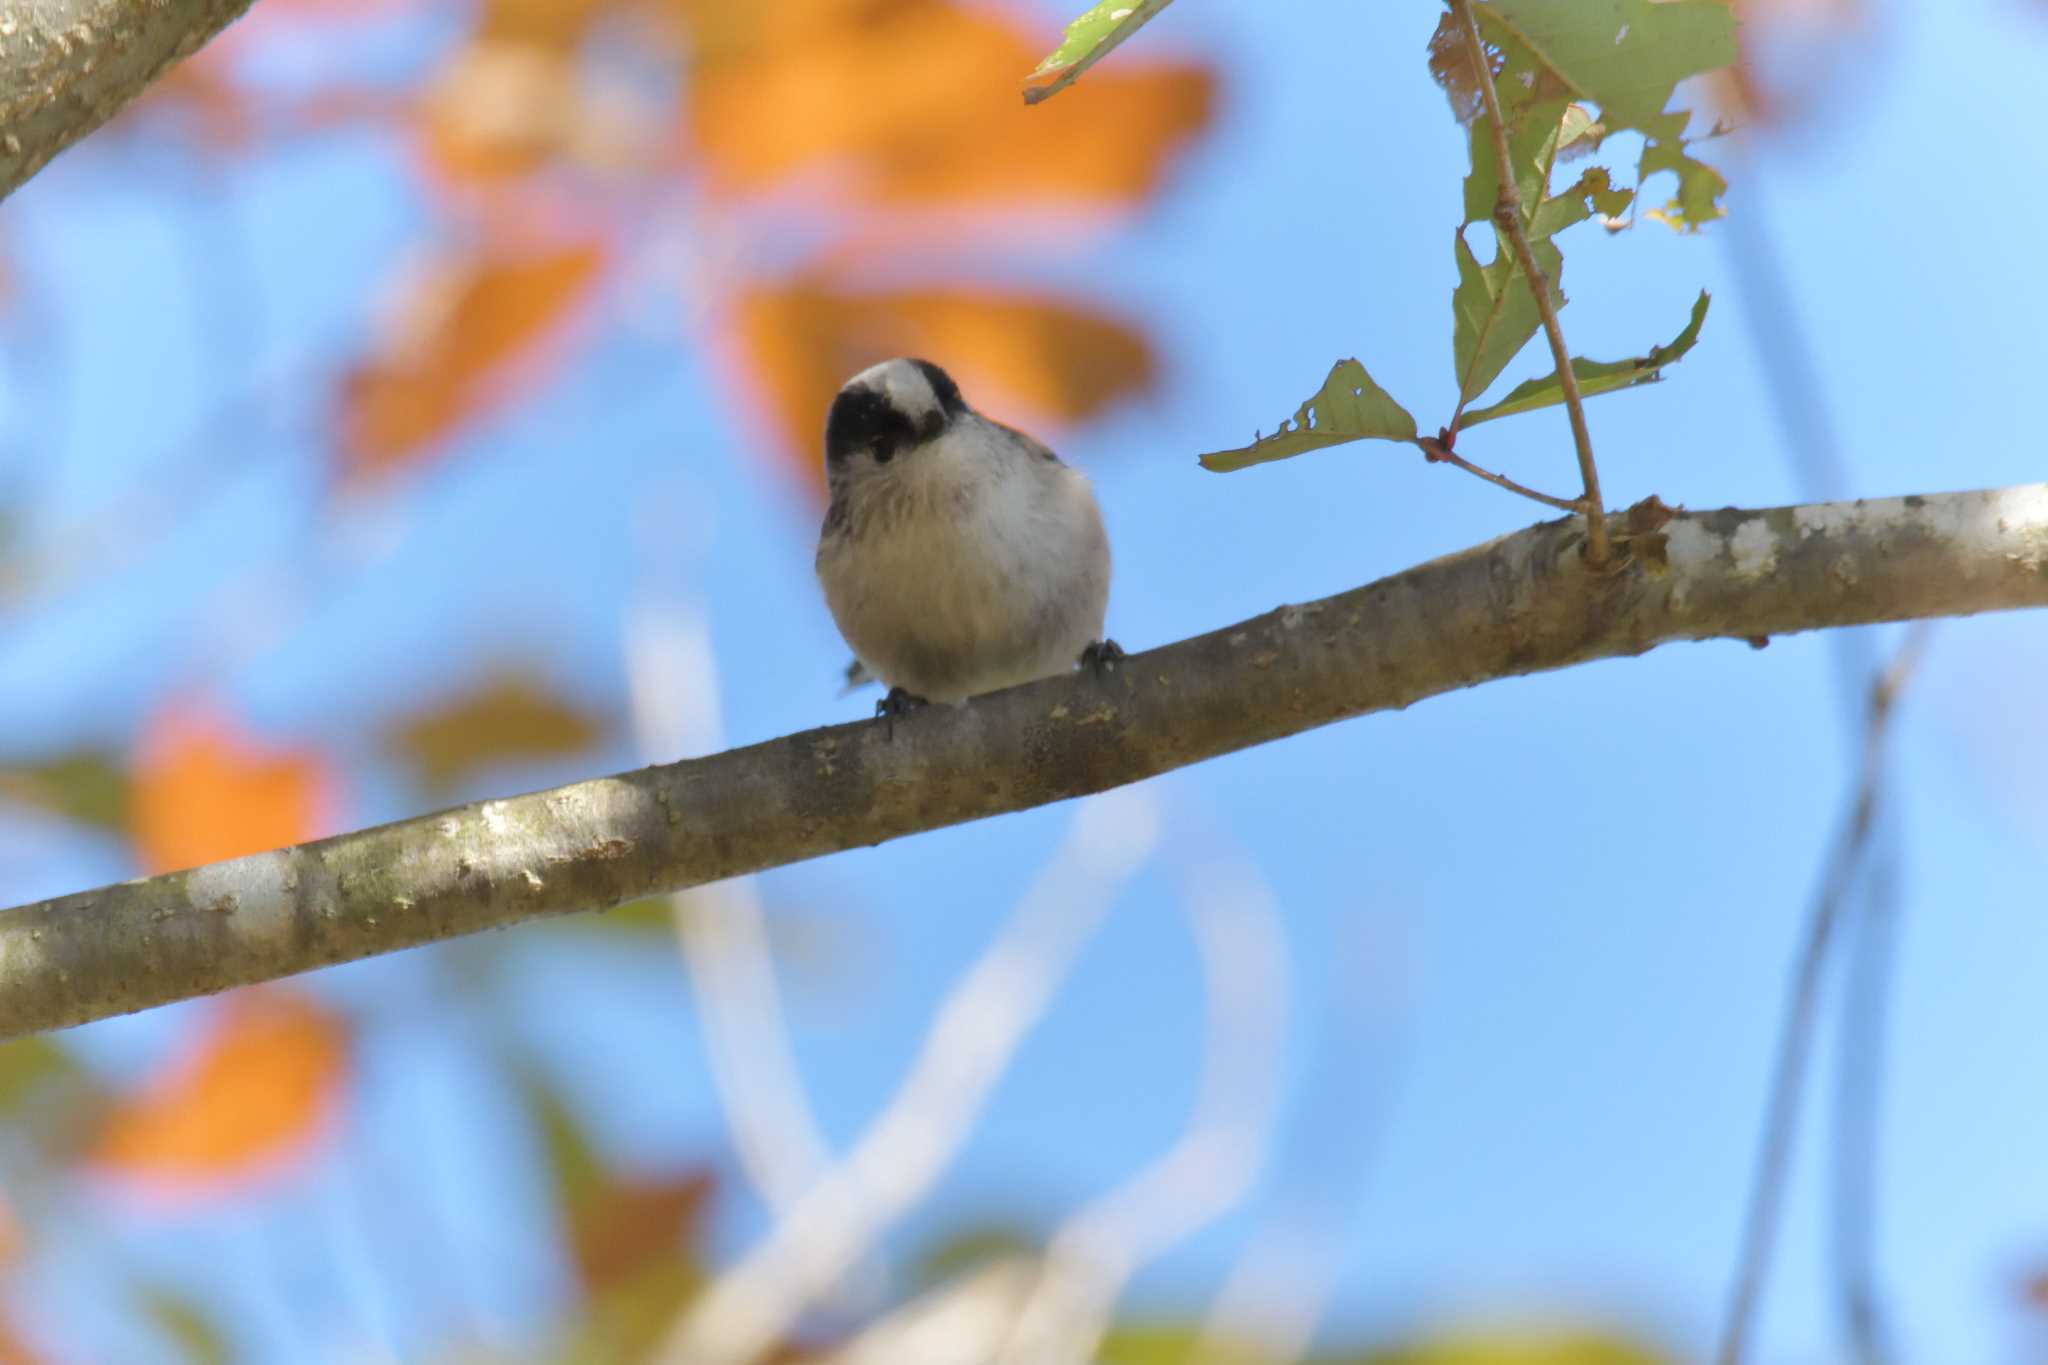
[(1102, 657), (897, 703)]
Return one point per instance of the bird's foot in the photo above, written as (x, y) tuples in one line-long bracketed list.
[(897, 703), (1102, 657)]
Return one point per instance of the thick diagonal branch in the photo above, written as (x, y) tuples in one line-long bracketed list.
[(1517, 605), (67, 66)]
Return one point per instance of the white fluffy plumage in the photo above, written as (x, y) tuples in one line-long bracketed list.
[(959, 555)]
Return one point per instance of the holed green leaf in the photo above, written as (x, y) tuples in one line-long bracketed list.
[(1596, 376), (1627, 56), (1700, 186), (1349, 407), (1495, 312)]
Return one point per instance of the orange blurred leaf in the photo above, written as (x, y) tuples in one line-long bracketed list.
[(12, 1241), (557, 24), (619, 1227), (1049, 357), (14, 1349), (249, 1095), (622, 1227), (509, 717), (521, 92), (204, 789), (1786, 49), (496, 110), (918, 102), (450, 354)]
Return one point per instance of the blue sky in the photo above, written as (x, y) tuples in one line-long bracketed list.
[(1540, 929)]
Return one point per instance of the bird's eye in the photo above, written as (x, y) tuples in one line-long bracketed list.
[(883, 452)]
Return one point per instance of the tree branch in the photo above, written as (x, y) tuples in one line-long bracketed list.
[(67, 66), (1520, 604)]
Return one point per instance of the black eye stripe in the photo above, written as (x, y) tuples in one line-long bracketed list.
[(861, 419)]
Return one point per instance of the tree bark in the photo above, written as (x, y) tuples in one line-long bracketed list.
[(67, 66), (1520, 604)]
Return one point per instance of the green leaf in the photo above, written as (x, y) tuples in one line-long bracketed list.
[(88, 786), (1591, 193), (1627, 56), (508, 717), (25, 1064), (1596, 376), (1533, 141), (648, 916), (626, 1322), (971, 1246), (1087, 41), (1540, 135), (1349, 407), (576, 1169), (1581, 133), (1173, 1343), (1495, 312), (1151, 1343), (1700, 186), (198, 1337)]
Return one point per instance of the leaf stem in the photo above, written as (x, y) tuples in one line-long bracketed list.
[(1507, 216), (1436, 451)]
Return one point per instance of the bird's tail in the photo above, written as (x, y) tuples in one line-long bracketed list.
[(857, 677)]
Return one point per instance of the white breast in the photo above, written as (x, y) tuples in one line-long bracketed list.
[(976, 565)]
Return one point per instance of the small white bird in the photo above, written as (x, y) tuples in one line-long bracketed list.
[(958, 555)]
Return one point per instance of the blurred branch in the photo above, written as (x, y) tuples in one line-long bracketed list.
[(1791, 375), (964, 1319), (1208, 1169), (67, 66), (1267, 1309), (721, 931), (1781, 1114), (978, 1029), (1513, 606)]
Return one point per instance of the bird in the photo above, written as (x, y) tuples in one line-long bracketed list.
[(958, 555)]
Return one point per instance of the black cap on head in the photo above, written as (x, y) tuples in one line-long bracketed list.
[(862, 419), (885, 410), (943, 387)]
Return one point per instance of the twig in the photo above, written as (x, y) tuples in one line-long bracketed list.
[(1208, 1169), (1437, 452), (1781, 1113), (1270, 1301), (1793, 383), (976, 1032), (1507, 215)]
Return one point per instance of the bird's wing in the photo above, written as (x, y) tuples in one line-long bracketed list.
[(1028, 441)]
